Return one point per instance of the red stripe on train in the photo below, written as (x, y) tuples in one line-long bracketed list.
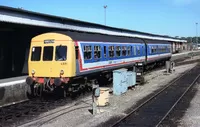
[(98, 67)]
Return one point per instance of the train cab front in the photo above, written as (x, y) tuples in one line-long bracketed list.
[(50, 63)]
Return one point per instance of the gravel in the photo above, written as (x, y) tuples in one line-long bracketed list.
[(77, 114), (191, 116)]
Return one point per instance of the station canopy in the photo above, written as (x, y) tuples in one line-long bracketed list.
[(25, 17)]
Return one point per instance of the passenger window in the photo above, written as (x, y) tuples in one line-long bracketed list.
[(153, 49), (87, 52), (157, 49), (97, 52), (118, 51), (48, 53), (35, 54), (134, 50), (111, 51), (104, 51), (61, 53), (129, 50), (123, 50)]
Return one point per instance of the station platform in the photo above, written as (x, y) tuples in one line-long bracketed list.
[(185, 54), (14, 90)]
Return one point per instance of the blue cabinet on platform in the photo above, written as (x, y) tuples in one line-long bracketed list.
[(131, 78), (120, 81)]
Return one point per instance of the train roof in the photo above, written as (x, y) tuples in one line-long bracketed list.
[(80, 36)]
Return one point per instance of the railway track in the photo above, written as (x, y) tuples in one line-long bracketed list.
[(154, 110), (28, 111), (23, 113)]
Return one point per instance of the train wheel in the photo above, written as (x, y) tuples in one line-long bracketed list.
[(38, 90)]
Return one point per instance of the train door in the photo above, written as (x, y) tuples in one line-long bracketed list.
[(105, 52), (77, 59), (146, 51)]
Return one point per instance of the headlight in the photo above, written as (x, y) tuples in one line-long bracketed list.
[(61, 72), (32, 72)]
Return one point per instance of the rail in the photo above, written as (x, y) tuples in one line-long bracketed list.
[(149, 105)]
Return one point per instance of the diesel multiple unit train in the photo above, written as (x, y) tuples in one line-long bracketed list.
[(72, 60)]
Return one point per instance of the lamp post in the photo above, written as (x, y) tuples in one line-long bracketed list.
[(105, 6), (197, 35)]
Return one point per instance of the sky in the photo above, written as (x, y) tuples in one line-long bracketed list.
[(163, 17)]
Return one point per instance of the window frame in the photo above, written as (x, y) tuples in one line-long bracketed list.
[(112, 49), (98, 51), (40, 56), (85, 50), (49, 55), (65, 54), (124, 50), (118, 51)]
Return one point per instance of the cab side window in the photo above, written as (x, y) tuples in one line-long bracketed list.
[(35, 54)]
